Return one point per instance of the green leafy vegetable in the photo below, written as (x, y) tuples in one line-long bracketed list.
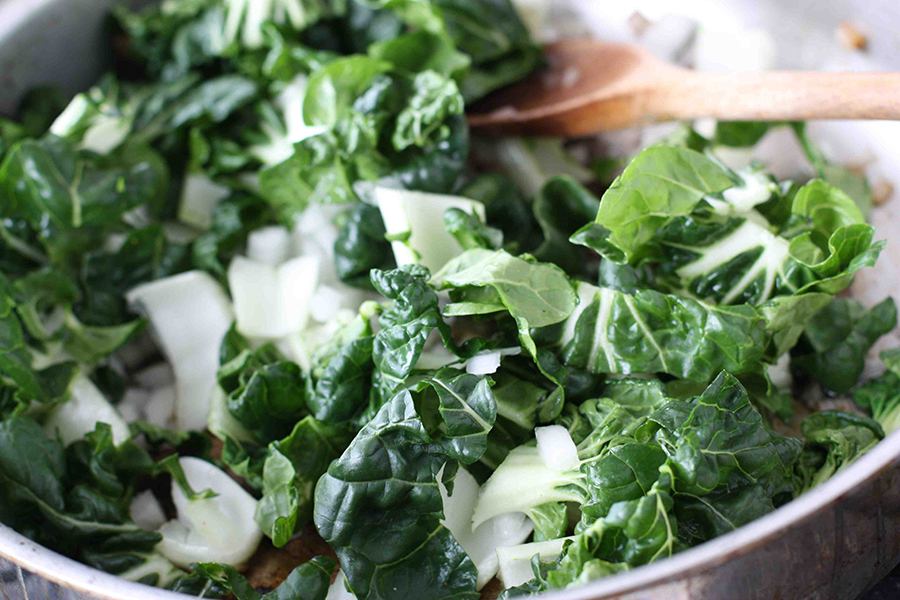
[(649, 332), (393, 490), (882, 394), (561, 208), (404, 327), (834, 439), (309, 581), (292, 467), (839, 337), (652, 332), (75, 500), (361, 247), (470, 232), (662, 182)]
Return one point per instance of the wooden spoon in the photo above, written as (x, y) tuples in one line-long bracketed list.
[(590, 86)]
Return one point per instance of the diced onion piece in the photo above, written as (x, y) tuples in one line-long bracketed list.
[(160, 409), (155, 376), (269, 245), (80, 414), (219, 529), (515, 561), (556, 448), (480, 543), (190, 315), (199, 196), (314, 234), (484, 363), (420, 217), (133, 403), (146, 511), (269, 301)]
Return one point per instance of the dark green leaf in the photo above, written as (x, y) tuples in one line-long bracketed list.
[(379, 507), (834, 439), (309, 581), (361, 247), (649, 332), (470, 232), (562, 207), (839, 337), (292, 468)]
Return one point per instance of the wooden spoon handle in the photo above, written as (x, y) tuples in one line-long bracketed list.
[(774, 96)]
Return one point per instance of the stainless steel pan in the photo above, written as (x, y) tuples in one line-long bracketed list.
[(830, 544)]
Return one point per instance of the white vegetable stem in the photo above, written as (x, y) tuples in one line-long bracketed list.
[(80, 414), (272, 301), (280, 145), (556, 448), (515, 561), (480, 543), (420, 217), (190, 315), (219, 529), (155, 564), (780, 372), (521, 482), (146, 511)]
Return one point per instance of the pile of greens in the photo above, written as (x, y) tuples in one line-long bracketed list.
[(259, 249)]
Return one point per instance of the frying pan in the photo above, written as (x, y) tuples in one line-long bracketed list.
[(832, 543)]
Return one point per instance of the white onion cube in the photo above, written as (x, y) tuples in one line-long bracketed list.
[(556, 448)]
